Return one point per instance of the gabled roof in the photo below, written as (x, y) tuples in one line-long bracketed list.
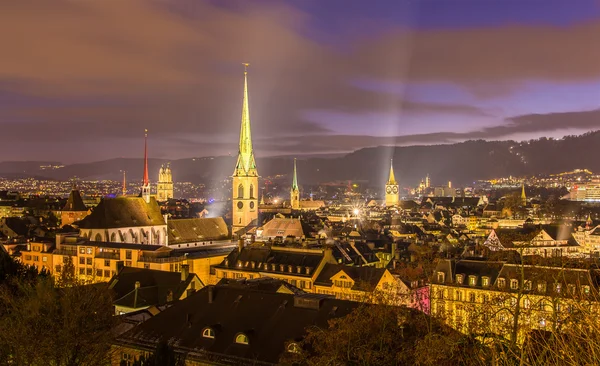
[(283, 227), (123, 212), (268, 319), (75, 203), (154, 288), (364, 277), (198, 229)]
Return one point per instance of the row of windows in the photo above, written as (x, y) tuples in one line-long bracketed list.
[(89, 272), (36, 258)]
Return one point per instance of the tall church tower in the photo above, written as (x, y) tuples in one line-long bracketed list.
[(392, 190), (146, 181), (295, 191), (164, 188), (523, 196), (245, 175)]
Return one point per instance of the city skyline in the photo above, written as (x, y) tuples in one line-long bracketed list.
[(325, 78)]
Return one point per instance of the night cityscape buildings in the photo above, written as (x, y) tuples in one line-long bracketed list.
[(419, 200)]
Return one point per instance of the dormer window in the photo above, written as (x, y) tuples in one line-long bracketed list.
[(485, 281), (241, 338), (208, 333), (293, 348), (501, 282), (514, 284), (459, 279), (542, 287), (472, 280), (558, 288), (586, 290), (527, 285), (440, 277)]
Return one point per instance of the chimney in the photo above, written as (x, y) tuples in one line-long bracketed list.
[(240, 244), (185, 272), (210, 294)]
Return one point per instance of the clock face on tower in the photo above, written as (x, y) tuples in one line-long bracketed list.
[(395, 189), (388, 189), (240, 205)]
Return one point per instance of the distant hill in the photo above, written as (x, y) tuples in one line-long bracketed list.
[(461, 163)]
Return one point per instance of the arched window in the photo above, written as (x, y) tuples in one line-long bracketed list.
[(251, 191), (113, 237), (208, 333), (240, 191), (293, 348), (241, 338), (98, 237)]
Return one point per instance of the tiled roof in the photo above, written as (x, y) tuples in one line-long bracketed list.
[(194, 230), (154, 286), (75, 203), (364, 277), (268, 319), (123, 212), (283, 227)]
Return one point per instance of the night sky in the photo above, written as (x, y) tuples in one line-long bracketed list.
[(81, 79)]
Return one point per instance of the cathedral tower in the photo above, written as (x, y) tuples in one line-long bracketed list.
[(392, 190), (295, 191), (523, 196), (245, 175), (164, 188), (146, 181)]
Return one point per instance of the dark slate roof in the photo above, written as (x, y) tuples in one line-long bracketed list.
[(194, 230), (265, 284), (75, 203), (154, 287), (123, 212), (365, 277), (465, 267), (264, 256), (549, 275), (270, 320)]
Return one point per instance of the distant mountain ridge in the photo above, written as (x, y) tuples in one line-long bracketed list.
[(461, 163)]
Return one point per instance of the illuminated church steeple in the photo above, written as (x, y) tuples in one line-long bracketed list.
[(523, 196), (392, 190), (295, 191), (245, 175), (146, 181)]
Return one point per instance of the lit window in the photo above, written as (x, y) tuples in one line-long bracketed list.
[(485, 281), (527, 285), (586, 290), (459, 279), (542, 287), (514, 284), (440, 277), (526, 303), (558, 287), (501, 282), (241, 339), (209, 333), (472, 280), (293, 348)]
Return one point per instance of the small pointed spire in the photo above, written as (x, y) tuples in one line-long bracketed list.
[(392, 178), (124, 190), (523, 196), (246, 161), (146, 180), (295, 179)]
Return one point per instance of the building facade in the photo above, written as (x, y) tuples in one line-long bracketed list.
[(245, 175), (392, 189), (164, 187)]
